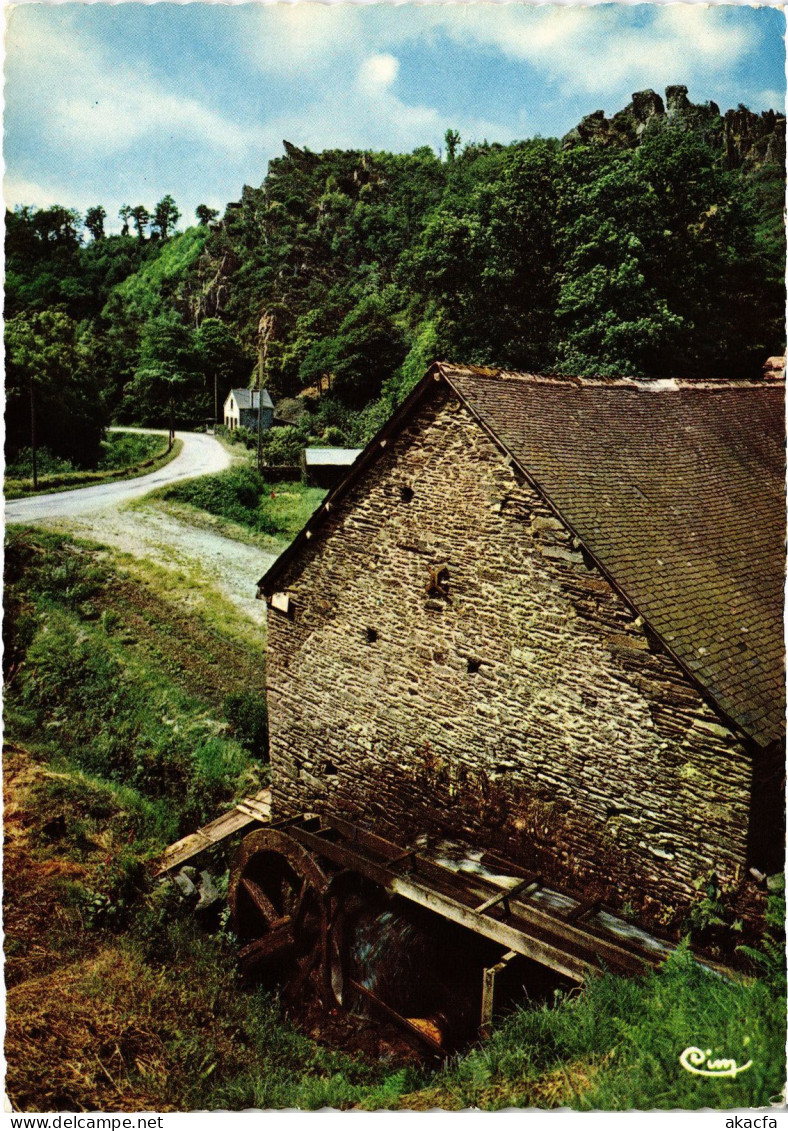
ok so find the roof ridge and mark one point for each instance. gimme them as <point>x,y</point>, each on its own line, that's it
<point>645,384</point>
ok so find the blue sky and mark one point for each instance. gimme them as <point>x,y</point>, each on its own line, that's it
<point>123,103</point>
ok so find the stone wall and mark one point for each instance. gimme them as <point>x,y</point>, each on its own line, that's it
<point>455,664</point>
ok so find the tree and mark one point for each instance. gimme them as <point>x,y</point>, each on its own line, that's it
<point>205,215</point>
<point>452,139</point>
<point>51,384</point>
<point>165,216</point>
<point>141,218</point>
<point>94,221</point>
<point>58,226</point>
<point>168,386</point>
<point>220,357</point>
<point>125,212</point>
<point>367,347</point>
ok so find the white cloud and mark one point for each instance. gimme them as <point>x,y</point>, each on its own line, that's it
<point>76,96</point>
<point>594,50</point>
<point>377,73</point>
<point>306,37</point>
<point>19,190</point>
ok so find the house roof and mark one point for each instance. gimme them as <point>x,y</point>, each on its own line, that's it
<point>333,457</point>
<point>675,488</point>
<point>250,398</point>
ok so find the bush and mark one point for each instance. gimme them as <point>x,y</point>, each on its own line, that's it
<point>126,449</point>
<point>233,494</point>
<point>248,719</point>
<point>242,495</point>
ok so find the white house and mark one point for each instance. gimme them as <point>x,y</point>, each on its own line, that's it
<point>242,409</point>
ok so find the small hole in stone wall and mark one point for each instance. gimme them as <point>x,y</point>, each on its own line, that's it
<point>406,494</point>
<point>473,666</point>
<point>330,770</point>
<point>372,635</point>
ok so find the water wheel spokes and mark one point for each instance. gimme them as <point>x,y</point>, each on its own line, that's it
<point>276,898</point>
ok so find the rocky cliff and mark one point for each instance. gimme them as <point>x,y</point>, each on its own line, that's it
<point>744,137</point>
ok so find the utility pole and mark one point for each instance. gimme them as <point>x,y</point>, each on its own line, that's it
<point>265,328</point>
<point>33,433</point>
<point>259,410</point>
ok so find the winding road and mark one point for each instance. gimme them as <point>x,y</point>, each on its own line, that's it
<point>201,455</point>
<point>98,513</point>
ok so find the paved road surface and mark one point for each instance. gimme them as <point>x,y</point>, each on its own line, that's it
<point>98,514</point>
<point>201,455</point>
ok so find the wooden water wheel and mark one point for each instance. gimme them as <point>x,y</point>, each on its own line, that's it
<point>276,894</point>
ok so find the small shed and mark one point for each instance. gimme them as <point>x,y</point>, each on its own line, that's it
<point>242,409</point>
<point>326,466</point>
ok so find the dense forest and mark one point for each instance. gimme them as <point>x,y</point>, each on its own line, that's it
<point>649,244</point>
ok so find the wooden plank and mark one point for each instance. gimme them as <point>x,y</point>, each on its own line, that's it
<point>191,845</point>
<point>372,841</point>
<point>403,1022</point>
<point>505,895</point>
<point>270,945</point>
<point>251,810</point>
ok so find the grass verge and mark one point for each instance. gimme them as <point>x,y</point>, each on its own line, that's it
<point>241,496</point>
<point>126,455</point>
<point>616,1045</point>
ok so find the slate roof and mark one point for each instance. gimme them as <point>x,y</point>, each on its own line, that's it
<point>676,489</point>
<point>249,398</point>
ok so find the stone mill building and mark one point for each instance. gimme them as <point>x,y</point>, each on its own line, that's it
<point>544,616</point>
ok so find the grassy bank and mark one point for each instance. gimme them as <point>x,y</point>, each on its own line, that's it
<point>124,455</point>
<point>118,998</point>
<point>272,512</point>
<point>615,1046</point>
<point>129,720</point>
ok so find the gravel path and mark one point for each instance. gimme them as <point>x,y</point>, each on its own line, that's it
<point>99,513</point>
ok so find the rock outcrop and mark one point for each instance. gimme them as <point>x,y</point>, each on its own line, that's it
<point>743,136</point>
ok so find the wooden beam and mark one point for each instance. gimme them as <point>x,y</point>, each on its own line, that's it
<point>270,945</point>
<point>583,910</point>
<point>392,1015</point>
<point>513,937</point>
<point>488,991</point>
<point>505,895</point>
<point>261,902</point>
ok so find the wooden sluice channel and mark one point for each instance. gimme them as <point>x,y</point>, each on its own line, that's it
<point>290,878</point>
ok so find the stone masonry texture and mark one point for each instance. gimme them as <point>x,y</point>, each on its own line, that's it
<point>455,664</point>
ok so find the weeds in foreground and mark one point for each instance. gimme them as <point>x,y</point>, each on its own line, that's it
<point>77,693</point>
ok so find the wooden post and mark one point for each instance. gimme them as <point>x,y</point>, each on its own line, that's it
<point>33,433</point>
<point>488,992</point>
